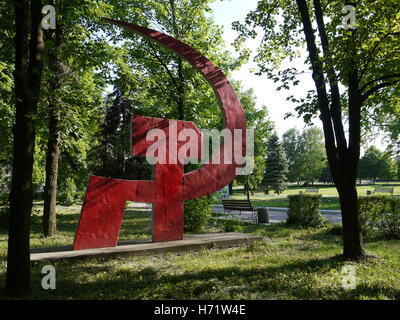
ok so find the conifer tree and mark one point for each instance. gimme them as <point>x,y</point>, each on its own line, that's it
<point>276,166</point>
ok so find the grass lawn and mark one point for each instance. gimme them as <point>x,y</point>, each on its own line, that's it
<point>327,203</point>
<point>288,264</point>
<point>330,190</point>
<point>330,200</point>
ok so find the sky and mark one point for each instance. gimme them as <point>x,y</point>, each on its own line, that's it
<point>228,11</point>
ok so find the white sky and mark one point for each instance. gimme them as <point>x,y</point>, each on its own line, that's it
<point>228,11</point>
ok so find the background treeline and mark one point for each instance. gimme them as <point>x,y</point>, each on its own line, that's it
<point>95,76</point>
<point>66,97</point>
<point>300,157</point>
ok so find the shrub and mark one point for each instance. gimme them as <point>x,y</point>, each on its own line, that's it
<point>380,215</point>
<point>233,225</point>
<point>369,208</point>
<point>197,213</point>
<point>67,193</point>
<point>335,229</point>
<point>304,211</point>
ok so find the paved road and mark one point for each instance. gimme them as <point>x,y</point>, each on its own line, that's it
<point>280,214</point>
<point>275,214</point>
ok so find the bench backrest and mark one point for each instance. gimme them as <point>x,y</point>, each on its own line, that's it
<point>237,204</point>
<point>384,190</point>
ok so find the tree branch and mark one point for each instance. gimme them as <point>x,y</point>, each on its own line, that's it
<point>376,88</point>
<point>318,76</point>
<point>372,53</point>
<point>395,75</point>
<point>336,109</point>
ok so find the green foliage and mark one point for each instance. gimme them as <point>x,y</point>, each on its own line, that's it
<point>313,153</point>
<point>197,213</point>
<point>291,143</point>
<point>326,176</point>
<point>257,119</point>
<point>276,167</point>
<point>380,215</point>
<point>376,164</point>
<point>4,209</point>
<point>305,153</point>
<point>160,81</point>
<point>376,40</point>
<point>232,225</point>
<point>111,157</point>
<point>67,195</point>
<point>304,211</point>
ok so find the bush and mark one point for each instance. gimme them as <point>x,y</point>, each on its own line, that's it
<point>233,225</point>
<point>335,229</point>
<point>380,215</point>
<point>67,193</point>
<point>304,211</point>
<point>197,213</point>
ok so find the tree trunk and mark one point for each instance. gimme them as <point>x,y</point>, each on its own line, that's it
<point>247,188</point>
<point>27,79</point>
<point>231,188</point>
<point>53,143</point>
<point>352,237</point>
<point>50,190</point>
<point>181,91</point>
<point>342,160</point>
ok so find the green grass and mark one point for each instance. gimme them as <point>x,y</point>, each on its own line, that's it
<point>288,264</point>
<point>330,190</point>
<point>327,203</point>
<point>330,200</point>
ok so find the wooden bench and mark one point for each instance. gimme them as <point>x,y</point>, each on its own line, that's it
<point>310,190</point>
<point>383,190</point>
<point>240,205</point>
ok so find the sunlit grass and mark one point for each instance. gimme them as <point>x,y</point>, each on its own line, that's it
<point>288,264</point>
<point>329,201</point>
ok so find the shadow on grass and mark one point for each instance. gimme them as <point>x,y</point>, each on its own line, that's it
<point>291,280</point>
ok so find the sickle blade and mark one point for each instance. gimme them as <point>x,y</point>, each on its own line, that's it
<point>210,177</point>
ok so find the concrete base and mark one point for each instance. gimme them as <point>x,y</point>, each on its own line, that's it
<point>142,248</point>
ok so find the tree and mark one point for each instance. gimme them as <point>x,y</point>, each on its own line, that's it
<point>113,152</point>
<point>398,169</point>
<point>69,65</point>
<point>363,60</point>
<point>291,143</point>
<point>370,166</point>
<point>313,154</point>
<point>326,176</point>
<point>29,49</point>
<point>276,166</point>
<point>258,120</point>
<point>376,164</point>
<point>174,89</point>
<point>7,112</point>
<point>305,154</point>
<point>389,168</point>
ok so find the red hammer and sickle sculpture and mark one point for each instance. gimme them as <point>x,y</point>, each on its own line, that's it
<point>103,208</point>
